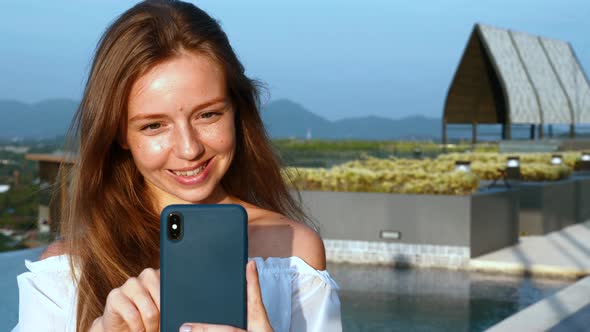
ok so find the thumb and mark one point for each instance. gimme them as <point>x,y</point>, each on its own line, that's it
<point>257,317</point>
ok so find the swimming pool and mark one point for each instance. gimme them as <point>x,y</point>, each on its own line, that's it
<point>378,298</point>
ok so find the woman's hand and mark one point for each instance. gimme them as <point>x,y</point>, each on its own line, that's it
<point>135,306</point>
<point>257,318</point>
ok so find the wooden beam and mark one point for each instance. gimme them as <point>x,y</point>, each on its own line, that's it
<point>444,134</point>
<point>506,132</point>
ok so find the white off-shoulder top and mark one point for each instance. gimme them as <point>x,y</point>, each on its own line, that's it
<point>296,296</point>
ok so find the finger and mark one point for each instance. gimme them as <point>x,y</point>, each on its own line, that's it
<point>257,318</point>
<point>199,327</point>
<point>150,279</point>
<point>253,285</point>
<point>120,312</point>
<point>141,298</point>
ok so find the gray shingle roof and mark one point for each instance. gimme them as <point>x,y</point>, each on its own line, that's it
<point>541,80</point>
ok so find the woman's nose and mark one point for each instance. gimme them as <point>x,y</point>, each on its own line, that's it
<point>187,145</point>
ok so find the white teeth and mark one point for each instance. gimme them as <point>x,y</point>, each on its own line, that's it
<point>191,173</point>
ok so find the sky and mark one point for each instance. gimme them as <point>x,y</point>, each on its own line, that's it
<point>337,58</point>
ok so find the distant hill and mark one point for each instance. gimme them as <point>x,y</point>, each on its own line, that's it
<point>46,119</point>
<point>283,119</point>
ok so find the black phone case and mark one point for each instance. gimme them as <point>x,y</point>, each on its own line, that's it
<point>203,274</point>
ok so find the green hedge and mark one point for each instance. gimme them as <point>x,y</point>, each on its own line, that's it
<point>425,176</point>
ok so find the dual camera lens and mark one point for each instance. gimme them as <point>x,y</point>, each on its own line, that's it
<point>174,226</point>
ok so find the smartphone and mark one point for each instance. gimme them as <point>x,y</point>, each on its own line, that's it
<point>203,257</point>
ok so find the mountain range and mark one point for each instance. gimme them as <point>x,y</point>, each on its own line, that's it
<point>283,118</point>
<point>45,119</point>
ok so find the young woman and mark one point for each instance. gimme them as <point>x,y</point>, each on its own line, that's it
<point>168,116</point>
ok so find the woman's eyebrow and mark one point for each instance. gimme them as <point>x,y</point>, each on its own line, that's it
<point>217,100</point>
<point>141,116</point>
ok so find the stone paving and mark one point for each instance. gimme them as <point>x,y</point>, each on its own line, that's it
<point>565,253</point>
<point>391,253</point>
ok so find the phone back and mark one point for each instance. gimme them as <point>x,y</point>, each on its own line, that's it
<point>202,273</point>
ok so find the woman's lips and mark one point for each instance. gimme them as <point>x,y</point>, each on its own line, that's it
<point>193,179</point>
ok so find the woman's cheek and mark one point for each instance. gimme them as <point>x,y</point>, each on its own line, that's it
<point>154,151</point>
<point>221,136</point>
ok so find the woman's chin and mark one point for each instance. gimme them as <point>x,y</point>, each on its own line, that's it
<point>197,196</point>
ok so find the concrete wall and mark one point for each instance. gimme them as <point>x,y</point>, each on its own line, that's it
<point>483,222</point>
<point>362,216</point>
<point>545,145</point>
<point>494,220</point>
<point>582,196</point>
<point>546,206</point>
<point>578,144</point>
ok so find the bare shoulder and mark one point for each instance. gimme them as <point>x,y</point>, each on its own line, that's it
<point>54,249</point>
<point>273,234</point>
<point>308,245</point>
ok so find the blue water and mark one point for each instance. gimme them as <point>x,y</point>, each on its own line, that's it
<point>376,298</point>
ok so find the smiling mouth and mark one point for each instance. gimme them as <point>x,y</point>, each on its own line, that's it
<point>192,172</point>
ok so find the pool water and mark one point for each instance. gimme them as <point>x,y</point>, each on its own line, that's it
<point>379,298</point>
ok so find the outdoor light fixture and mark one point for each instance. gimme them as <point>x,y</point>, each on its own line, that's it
<point>390,235</point>
<point>513,162</point>
<point>556,159</point>
<point>513,168</point>
<point>463,166</point>
<point>584,163</point>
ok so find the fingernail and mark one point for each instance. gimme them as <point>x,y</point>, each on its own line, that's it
<point>186,328</point>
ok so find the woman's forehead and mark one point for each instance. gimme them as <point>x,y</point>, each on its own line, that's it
<point>184,81</point>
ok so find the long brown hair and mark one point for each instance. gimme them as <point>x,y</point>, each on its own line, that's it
<point>111,224</point>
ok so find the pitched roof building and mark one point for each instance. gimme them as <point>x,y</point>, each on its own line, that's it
<point>508,77</point>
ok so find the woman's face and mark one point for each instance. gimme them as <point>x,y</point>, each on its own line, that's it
<point>180,129</point>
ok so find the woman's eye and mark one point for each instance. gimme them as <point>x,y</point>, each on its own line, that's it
<point>208,115</point>
<point>152,126</point>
